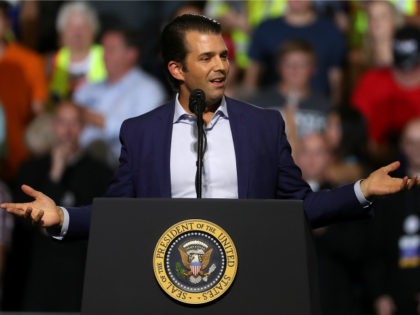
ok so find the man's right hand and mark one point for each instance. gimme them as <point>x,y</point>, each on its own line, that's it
<point>42,211</point>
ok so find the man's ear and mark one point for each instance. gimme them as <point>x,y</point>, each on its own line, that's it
<point>175,69</point>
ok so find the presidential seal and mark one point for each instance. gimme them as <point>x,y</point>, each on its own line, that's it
<point>195,261</point>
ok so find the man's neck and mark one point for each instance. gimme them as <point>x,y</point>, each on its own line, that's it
<point>300,18</point>
<point>208,111</point>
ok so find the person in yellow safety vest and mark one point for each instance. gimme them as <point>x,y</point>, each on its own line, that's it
<point>79,60</point>
<point>61,82</point>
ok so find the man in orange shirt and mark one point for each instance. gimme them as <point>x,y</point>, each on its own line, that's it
<point>23,92</point>
<point>29,61</point>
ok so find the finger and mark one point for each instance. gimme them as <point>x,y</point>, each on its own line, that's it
<point>15,208</point>
<point>11,205</point>
<point>391,167</point>
<point>404,183</point>
<point>411,182</point>
<point>28,213</point>
<point>30,191</point>
<point>38,217</point>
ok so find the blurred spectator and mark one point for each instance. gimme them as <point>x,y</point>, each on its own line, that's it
<point>304,110</point>
<point>78,60</point>
<point>376,49</point>
<point>299,22</point>
<point>336,11</point>
<point>406,10</point>
<point>36,25</point>
<point>15,95</point>
<point>39,136</point>
<point>383,20</point>
<point>389,97</point>
<point>240,18</point>
<point>394,261</point>
<point>30,63</point>
<point>73,178</point>
<point>128,91</point>
<point>313,157</point>
<point>346,135</point>
<point>340,249</point>
<point>147,17</point>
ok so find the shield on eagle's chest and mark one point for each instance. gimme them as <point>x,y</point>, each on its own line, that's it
<point>195,267</point>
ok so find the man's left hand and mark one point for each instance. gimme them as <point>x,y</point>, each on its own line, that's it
<point>379,182</point>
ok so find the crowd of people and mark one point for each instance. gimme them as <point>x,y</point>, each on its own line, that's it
<point>345,76</point>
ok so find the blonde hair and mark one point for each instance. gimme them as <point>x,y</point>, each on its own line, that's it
<point>368,44</point>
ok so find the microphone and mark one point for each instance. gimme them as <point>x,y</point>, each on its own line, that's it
<point>197,102</point>
<point>196,106</point>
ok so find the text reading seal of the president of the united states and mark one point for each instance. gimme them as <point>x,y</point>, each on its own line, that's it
<point>195,261</point>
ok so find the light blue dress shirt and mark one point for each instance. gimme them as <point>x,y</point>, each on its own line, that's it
<point>133,95</point>
<point>219,178</point>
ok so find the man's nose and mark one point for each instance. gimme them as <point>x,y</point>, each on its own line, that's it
<point>221,64</point>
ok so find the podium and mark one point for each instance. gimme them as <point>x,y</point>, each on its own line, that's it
<point>276,274</point>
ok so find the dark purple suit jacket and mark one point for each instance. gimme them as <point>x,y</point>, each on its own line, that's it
<point>264,164</point>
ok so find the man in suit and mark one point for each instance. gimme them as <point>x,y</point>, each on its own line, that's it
<point>248,155</point>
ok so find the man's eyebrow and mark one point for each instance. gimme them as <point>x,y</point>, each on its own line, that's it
<point>207,53</point>
<point>212,53</point>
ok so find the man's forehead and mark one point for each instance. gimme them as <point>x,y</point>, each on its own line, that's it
<point>194,39</point>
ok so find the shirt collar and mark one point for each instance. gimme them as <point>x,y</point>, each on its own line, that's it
<point>181,114</point>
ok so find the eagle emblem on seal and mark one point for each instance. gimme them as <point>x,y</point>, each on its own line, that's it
<point>195,256</point>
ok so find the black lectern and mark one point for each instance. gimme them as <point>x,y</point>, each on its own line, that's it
<point>276,271</point>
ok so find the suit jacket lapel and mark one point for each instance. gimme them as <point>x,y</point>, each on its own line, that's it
<point>162,142</point>
<point>241,145</point>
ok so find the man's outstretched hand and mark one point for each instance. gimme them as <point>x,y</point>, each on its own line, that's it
<point>42,211</point>
<point>379,182</point>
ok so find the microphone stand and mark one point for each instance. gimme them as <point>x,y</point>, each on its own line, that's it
<point>196,106</point>
<point>200,154</point>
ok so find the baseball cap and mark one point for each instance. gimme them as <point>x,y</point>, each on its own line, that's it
<point>406,48</point>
